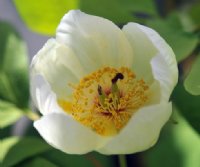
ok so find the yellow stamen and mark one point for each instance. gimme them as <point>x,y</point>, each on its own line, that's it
<point>106,99</point>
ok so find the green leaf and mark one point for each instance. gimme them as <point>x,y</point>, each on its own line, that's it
<point>44,16</point>
<point>38,162</point>
<point>193,14</point>
<point>188,105</point>
<point>179,146</point>
<point>13,67</point>
<point>5,146</point>
<point>90,160</point>
<point>183,43</point>
<point>22,149</point>
<point>9,114</point>
<point>192,82</point>
<point>119,11</point>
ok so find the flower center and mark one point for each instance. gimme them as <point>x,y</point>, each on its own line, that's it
<point>106,99</point>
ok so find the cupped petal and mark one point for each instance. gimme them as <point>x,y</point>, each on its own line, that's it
<point>141,132</point>
<point>164,75</point>
<point>68,135</point>
<point>143,50</point>
<point>96,41</point>
<point>59,66</point>
<point>42,95</point>
<point>154,59</point>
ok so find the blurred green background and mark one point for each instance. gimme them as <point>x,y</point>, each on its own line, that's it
<point>178,22</point>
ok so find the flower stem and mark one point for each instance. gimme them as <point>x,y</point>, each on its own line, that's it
<point>122,160</point>
<point>32,115</point>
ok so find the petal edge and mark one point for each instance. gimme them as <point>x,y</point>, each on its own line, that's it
<point>66,134</point>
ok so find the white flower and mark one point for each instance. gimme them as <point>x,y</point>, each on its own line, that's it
<point>101,88</point>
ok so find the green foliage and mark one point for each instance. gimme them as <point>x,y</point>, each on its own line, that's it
<point>44,16</point>
<point>118,11</point>
<point>13,67</point>
<point>38,162</point>
<point>14,88</point>
<point>179,146</point>
<point>183,43</point>
<point>188,105</point>
<point>16,149</point>
<point>192,82</point>
<point>9,113</point>
<point>193,15</point>
<point>31,152</point>
<point>5,145</point>
<point>90,160</point>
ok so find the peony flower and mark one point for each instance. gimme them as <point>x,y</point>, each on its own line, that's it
<point>102,88</point>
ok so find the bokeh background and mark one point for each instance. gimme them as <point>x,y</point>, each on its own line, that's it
<point>24,28</point>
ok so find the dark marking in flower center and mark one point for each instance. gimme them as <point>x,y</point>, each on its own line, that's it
<point>99,89</point>
<point>117,76</point>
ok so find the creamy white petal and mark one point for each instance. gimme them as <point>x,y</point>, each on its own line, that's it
<point>147,44</point>
<point>143,50</point>
<point>59,66</point>
<point>96,41</point>
<point>141,132</point>
<point>66,134</point>
<point>164,65</point>
<point>42,95</point>
<point>163,74</point>
<point>154,94</point>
